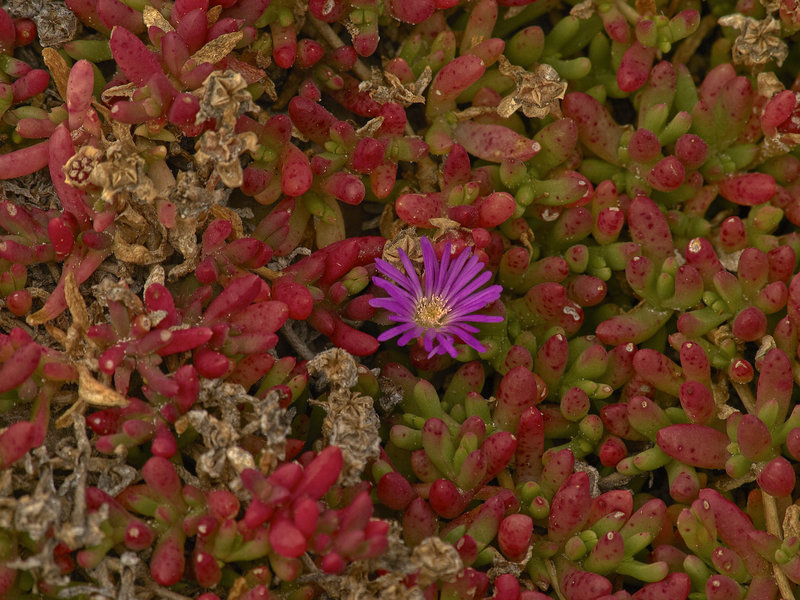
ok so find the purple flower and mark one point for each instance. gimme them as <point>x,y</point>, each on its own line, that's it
<point>440,308</point>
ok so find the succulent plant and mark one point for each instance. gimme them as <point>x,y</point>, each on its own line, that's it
<point>422,299</point>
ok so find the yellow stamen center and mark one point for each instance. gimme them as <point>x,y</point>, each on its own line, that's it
<point>431,312</point>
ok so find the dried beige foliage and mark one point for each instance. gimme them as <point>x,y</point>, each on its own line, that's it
<point>153,18</point>
<point>95,393</point>
<point>337,365</point>
<point>126,90</point>
<point>759,42</point>
<point>351,422</point>
<point>537,93</point>
<point>768,84</point>
<point>109,290</point>
<point>122,173</point>
<point>583,10</point>
<point>371,127</point>
<point>408,241</point>
<point>443,225</point>
<point>58,68</point>
<point>437,561</point>
<point>791,522</point>
<point>139,254</point>
<point>217,49</point>
<point>80,316</point>
<point>220,150</point>
<point>387,87</point>
<point>213,13</point>
<point>223,425</point>
<point>224,96</point>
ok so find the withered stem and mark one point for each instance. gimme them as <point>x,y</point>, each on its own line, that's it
<point>773,527</point>
<point>295,342</point>
<point>267,273</point>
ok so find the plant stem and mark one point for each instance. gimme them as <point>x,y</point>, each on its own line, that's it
<point>773,527</point>
<point>329,35</point>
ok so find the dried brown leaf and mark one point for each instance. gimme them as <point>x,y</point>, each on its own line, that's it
<point>66,420</point>
<point>125,90</point>
<point>220,151</point>
<point>183,237</point>
<point>58,69</point>
<point>75,302</point>
<point>212,16</point>
<point>136,253</point>
<point>153,18</point>
<point>57,334</point>
<point>239,588</point>
<point>95,393</point>
<point>218,48</point>
<point>791,522</point>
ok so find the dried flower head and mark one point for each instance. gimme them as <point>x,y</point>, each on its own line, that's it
<point>123,174</point>
<point>224,96</point>
<point>437,561</point>
<point>80,166</point>
<point>439,308</point>
<point>408,242</point>
<point>353,425</point>
<point>56,24</point>
<point>537,93</point>
<point>337,365</point>
<point>220,151</point>
<point>759,42</point>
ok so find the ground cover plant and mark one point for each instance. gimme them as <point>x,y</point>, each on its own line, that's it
<point>428,299</point>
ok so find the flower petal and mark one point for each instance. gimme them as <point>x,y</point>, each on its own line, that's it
<point>392,272</point>
<point>392,304</point>
<point>444,268</point>
<point>413,278</point>
<point>454,280</point>
<point>409,335</point>
<point>395,291</point>
<point>430,264</point>
<point>394,331</point>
